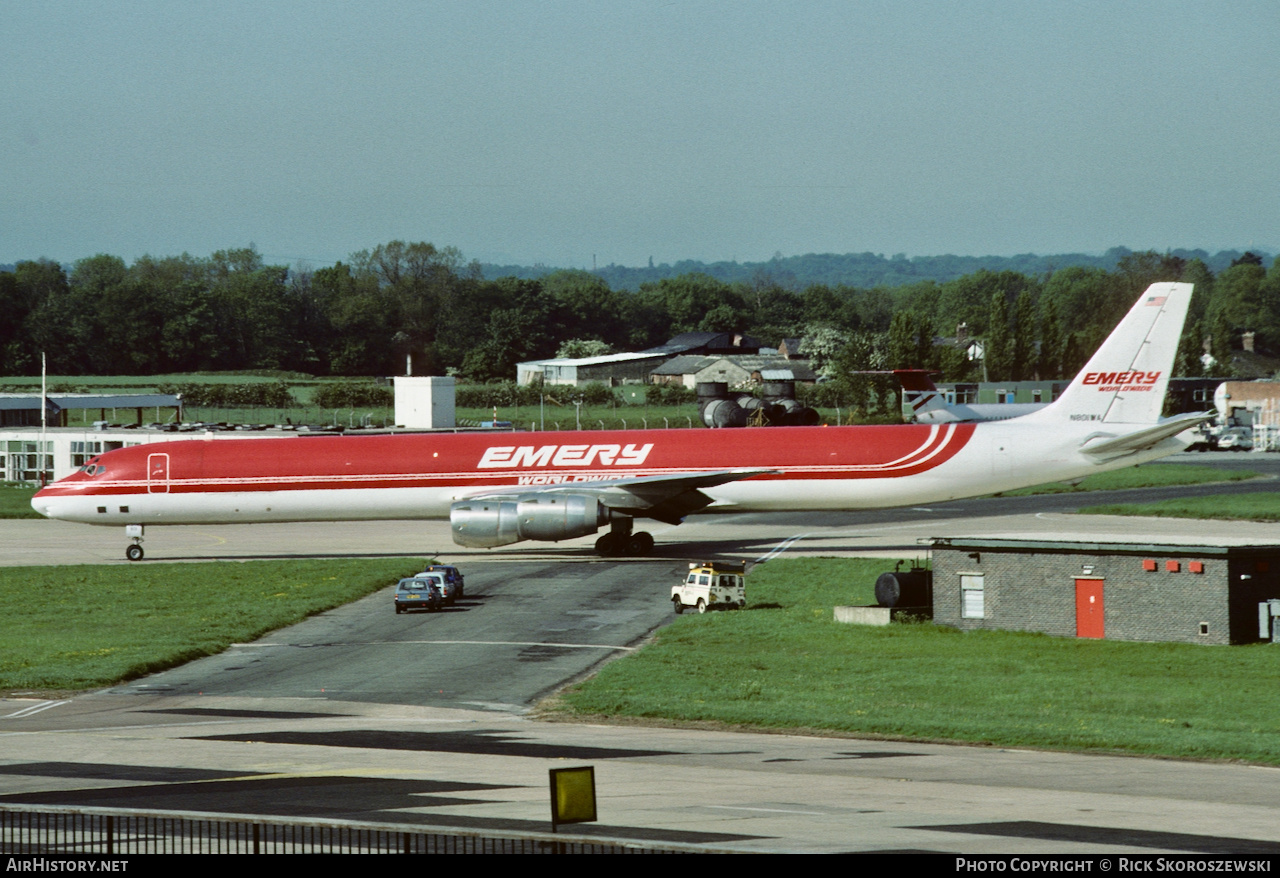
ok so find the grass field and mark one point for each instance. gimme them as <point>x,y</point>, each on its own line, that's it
<point>15,501</point>
<point>1149,475</point>
<point>69,628</point>
<point>1262,506</point>
<point>783,663</point>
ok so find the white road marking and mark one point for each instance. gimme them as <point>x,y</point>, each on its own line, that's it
<point>764,810</point>
<point>782,547</point>
<point>35,708</point>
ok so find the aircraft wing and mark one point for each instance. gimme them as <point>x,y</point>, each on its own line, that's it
<point>665,498</point>
<point>1104,446</point>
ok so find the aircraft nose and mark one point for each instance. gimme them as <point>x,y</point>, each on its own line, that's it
<point>43,501</point>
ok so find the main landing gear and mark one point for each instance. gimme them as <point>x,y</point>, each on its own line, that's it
<point>620,541</point>
<point>134,551</point>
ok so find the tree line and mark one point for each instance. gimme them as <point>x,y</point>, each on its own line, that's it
<point>413,305</point>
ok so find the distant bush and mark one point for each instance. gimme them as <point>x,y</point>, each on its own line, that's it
<point>264,394</point>
<point>497,393</point>
<point>597,393</point>
<point>670,394</point>
<point>505,394</point>
<point>349,395</point>
<point>279,374</point>
<point>828,395</point>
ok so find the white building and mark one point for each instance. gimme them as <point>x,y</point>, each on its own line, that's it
<point>611,369</point>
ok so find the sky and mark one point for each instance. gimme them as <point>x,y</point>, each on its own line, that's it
<point>581,132</point>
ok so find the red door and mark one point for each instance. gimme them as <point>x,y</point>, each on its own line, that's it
<point>1089,608</point>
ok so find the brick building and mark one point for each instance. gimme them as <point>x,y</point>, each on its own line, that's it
<point>1120,591</point>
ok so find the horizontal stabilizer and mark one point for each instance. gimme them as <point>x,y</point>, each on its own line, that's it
<point>1104,447</point>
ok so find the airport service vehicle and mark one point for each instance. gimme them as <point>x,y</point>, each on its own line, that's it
<point>711,585</point>
<point>1235,439</point>
<point>419,593</point>
<point>498,489</point>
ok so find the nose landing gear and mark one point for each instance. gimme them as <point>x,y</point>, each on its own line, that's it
<point>134,551</point>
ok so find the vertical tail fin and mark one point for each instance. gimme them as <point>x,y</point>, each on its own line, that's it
<point>919,393</point>
<point>1125,381</point>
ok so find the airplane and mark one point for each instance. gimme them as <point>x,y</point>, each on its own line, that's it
<point>552,486</point>
<point>929,406</point>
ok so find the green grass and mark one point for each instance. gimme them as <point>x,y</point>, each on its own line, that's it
<point>15,501</point>
<point>97,383</point>
<point>1151,475</point>
<point>68,628</point>
<point>1230,507</point>
<point>784,664</point>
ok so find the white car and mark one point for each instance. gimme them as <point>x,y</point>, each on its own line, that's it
<point>1235,439</point>
<point>711,586</point>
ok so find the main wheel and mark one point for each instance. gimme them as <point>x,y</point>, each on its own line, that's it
<point>702,605</point>
<point>677,606</point>
<point>610,546</point>
<point>134,552</point>
<point>640,543</point>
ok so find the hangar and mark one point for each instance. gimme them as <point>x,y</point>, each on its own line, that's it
<point>23,409</point>
<point>35,454</point>
<point>28,456</point>
<point>1119,591</point>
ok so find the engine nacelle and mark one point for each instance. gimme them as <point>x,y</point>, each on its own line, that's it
<point>483,524</point>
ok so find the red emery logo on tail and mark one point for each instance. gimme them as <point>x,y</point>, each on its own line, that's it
<point>1109,381</point>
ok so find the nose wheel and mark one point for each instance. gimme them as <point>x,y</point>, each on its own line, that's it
<point>134,551</point>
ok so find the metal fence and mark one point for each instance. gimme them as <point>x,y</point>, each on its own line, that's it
<point>78,831</point>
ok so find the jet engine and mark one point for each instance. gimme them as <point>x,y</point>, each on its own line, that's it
<point>485,523</point>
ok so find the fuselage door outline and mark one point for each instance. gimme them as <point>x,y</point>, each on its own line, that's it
<point>158,473</point>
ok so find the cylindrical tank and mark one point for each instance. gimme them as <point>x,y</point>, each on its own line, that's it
<point>709,390</point>
<point>909,589</point>
<point>798,415</point>
<point>775,390</point>
<point>723,413</point>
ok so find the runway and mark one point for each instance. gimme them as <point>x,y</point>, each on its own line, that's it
<point>423,719</point>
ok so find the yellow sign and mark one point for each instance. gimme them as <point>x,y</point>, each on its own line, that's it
<point>573,795</point>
